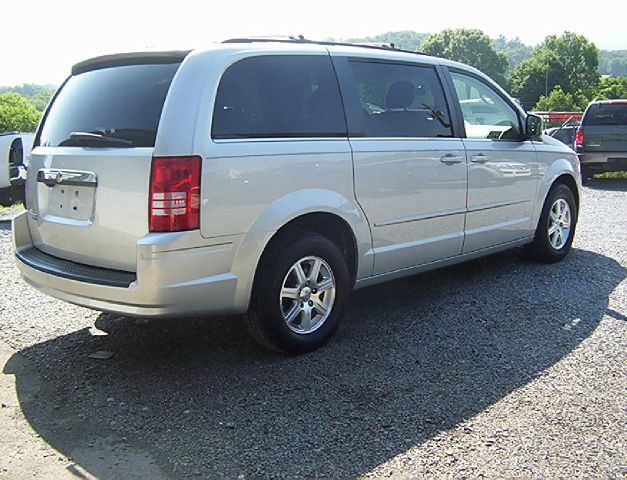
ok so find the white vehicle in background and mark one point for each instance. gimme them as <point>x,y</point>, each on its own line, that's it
<point>14,153</point>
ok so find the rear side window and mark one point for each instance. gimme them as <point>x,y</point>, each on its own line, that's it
<point>606,114</point>
<point>400,100</point>
<point>122,102</point>
<point>279,96</point>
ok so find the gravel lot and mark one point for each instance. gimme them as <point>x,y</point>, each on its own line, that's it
<point>499,367</point>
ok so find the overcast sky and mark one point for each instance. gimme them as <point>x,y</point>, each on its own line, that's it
<point>40,40</point>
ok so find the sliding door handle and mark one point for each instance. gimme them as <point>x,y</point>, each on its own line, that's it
<point>450,158</point>
<point>479,158</point>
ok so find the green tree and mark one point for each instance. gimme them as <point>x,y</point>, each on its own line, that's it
<point>404,39</point>
<point>560,101</point>
<point>514,49</point>
<point>17,113</point>
<point>613,62</point>
<point>41,98</point>
<point>612,87</point>
<point>470,46</point>
<point>39,95</point>
<point>568,60</point>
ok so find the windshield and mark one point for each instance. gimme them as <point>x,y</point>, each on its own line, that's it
<point>122,102</point>
<point>606,114</point>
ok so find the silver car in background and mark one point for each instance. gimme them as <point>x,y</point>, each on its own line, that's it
<point>270,178</point>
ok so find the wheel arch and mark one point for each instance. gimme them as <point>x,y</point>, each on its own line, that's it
<point>562,171</point>
<point>320,211</point>
<point>329,225</point>
<point>570,182</point>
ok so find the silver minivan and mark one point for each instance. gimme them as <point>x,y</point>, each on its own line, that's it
<point>270,178</point>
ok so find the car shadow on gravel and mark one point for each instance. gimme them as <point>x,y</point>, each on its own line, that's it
<point>608,184</point>
<point>413,357</point>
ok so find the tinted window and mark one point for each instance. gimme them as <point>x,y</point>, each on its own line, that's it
<point>279,96</point>
<point>16,152</point>
<point>121,102</point>
<point>606,114</point>
<point>486,114</point>
<point>400,100</point>
<point>565,135</point>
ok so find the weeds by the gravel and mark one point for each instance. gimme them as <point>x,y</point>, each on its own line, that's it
<point>612,175</point>
<point>12,208</point>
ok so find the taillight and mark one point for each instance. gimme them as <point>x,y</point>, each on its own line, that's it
<point>579,138</point>
<point>174,194</point>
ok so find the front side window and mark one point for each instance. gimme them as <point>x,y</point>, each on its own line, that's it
<point>486,114</point>
<point>400,100</point>
<point>279,96</point>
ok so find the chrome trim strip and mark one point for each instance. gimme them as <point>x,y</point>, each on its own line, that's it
<point>447,213</point>
<point>424,216</point>
<point>52,177</point>
<point>488,206</point>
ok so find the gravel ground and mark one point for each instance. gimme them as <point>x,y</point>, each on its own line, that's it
<point>500,367</point>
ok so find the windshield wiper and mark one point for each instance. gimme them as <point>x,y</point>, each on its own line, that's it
<point>94,140</point>
<point>437,114</point>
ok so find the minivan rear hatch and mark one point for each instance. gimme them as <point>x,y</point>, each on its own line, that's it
<point>605,127</point>
<point>88,178</point>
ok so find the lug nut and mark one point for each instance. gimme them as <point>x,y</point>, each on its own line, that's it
<point>315,290</point>
<point>310,303</point>
<point>302,304</point>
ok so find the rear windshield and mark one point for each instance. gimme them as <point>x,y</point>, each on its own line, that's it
<point>122,102</point>
<point>606,114</point>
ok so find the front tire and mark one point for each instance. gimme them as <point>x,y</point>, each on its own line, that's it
<point>556,227</point>
<point>299,294</point>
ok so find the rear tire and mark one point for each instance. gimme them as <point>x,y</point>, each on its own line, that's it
<point>299,294</point>
<point>556,227</point>
<point>11,195</point>
<point>586,175</point>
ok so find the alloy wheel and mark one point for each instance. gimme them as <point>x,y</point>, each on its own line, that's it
<point>559,223</point>
<point>307,295</point>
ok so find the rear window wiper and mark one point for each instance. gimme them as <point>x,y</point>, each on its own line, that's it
<point>90,139</point>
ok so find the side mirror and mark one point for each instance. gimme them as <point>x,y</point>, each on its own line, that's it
<point>533,126</point>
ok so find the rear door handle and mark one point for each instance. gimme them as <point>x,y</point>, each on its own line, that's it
<point>479,158</point>
<point>450,158</point>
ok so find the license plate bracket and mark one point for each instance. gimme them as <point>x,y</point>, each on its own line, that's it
<point>71,202</point>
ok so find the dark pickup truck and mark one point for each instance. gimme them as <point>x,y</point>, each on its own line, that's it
<point>601,141</point>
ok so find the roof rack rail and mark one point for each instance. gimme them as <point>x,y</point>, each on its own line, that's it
<point>302,39</point>
<point>268,38</point>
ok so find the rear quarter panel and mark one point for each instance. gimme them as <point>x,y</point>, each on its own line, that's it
<point>252,187</point>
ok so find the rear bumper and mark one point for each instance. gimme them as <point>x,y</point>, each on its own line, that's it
<point>178,274</point>
<point>604,161</point>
